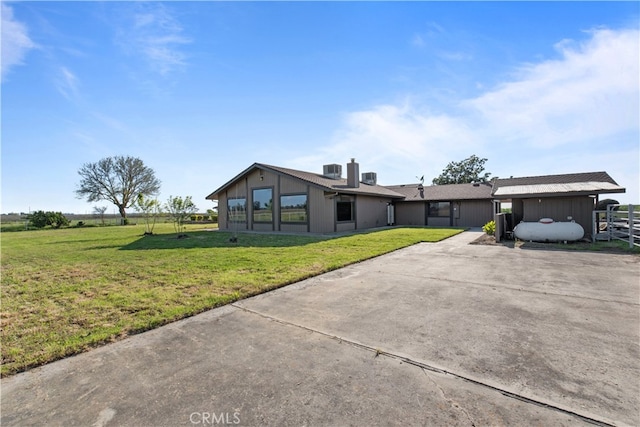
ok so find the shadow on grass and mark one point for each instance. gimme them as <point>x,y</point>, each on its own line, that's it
<point>219,239</point>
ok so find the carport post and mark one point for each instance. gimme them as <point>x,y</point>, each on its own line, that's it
<point>499,221</point>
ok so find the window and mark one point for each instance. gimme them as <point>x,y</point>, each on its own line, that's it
<point>439,209</point>
<point>345,208</point>
<point>263,205</point>
<point>293,208</point>
<point>237,209</point>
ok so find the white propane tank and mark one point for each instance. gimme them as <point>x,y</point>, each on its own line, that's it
<point>547,230</point>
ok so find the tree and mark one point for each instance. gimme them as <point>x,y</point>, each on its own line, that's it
<point>602,204</point>
<point>150,209</point>
<point>180,210</point>
<point>40,219</point>
<point>99,212</point>
<point>213,215</point>
<point>117,179</point>
<point>465,171</point>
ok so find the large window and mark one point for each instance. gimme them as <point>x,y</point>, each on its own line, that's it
<point>293,208</point>
<point>440,209</point>
<point>345,208</point>
<point>263,205</point>
<point>237,209</point>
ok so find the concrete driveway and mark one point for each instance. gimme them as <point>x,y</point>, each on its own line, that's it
<point>435,334</point>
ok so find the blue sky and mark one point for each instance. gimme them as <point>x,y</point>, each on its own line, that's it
<point>201,90</point>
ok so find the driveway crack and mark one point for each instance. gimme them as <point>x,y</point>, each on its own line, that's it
<point>426,367</point>
<point>452,403</point>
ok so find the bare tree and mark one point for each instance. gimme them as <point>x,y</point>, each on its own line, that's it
<point>117,179</point>
<point>99,212</point>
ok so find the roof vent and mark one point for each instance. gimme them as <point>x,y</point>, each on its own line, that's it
<point>370,178</point>
<point>332,171</point>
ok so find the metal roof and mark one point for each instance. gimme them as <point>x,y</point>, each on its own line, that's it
<point>567,188</point>
<point>586,183</point>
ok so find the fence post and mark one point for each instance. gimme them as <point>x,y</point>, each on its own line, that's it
<point>609,215</point>
<point>631,225</point>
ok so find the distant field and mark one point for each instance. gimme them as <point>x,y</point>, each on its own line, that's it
<point>15,222</point>
<point>68,290</point>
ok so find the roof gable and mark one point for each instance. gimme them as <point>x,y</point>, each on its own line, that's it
<point>318,180</point>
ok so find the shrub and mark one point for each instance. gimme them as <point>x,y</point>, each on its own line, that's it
<point>58,220</point>
<point>179,210</point>
<point>41,219</point>
<point>489,228</point>
<point>38,219</point>
<point>151,210</point>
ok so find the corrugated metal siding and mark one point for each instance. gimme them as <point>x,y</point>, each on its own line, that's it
<point>412,213</point>
<point>473,213</point>
<point>371,212</point>
<point>559,208</point>
<point>321,211</point>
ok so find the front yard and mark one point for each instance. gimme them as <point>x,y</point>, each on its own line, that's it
<point>66,291</point>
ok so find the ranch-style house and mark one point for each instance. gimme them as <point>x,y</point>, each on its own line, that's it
<point>272,198</point>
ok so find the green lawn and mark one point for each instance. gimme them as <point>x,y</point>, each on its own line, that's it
<point>65,291</point>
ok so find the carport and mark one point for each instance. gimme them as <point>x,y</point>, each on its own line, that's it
<point>559,197</point>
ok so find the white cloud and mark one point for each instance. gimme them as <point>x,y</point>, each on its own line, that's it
<point>590,93</point>
<point>157,36</point>
<point>67,84</point>
<point>15,41</point>
<point>586,99</point>
<point>399,140</point>
<point>424,38</point>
